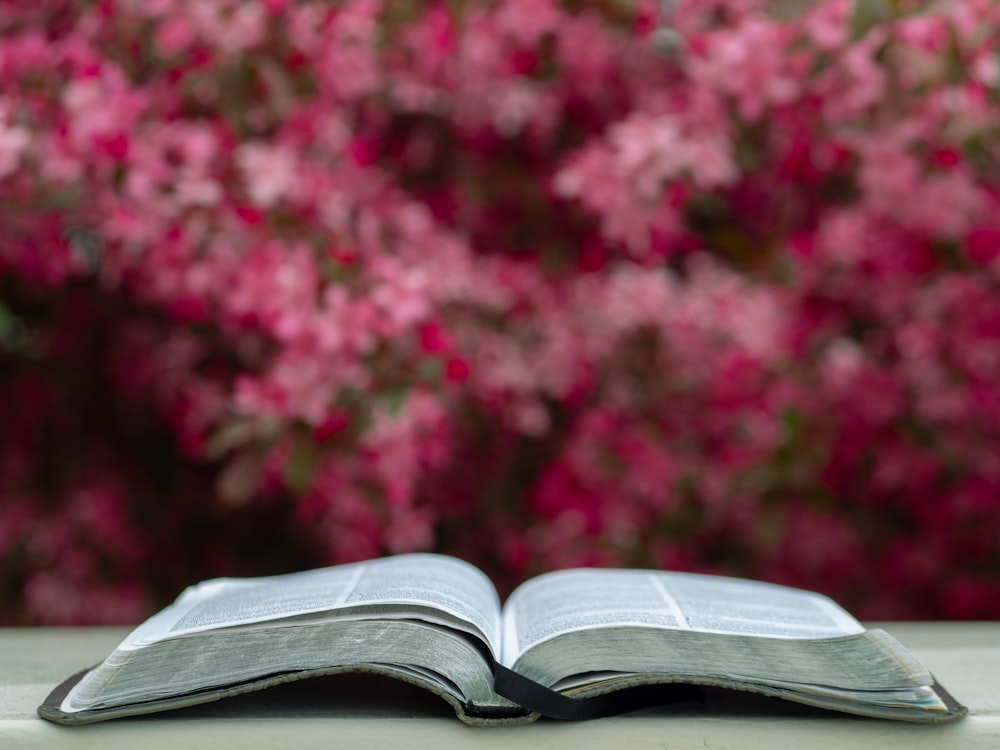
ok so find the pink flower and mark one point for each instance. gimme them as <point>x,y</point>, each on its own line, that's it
<point>14,142</point>
<point>527,21</point>
<point>747,62</point>
<point>270,173</point>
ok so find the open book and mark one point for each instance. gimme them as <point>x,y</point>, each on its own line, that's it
<point>570,644</point>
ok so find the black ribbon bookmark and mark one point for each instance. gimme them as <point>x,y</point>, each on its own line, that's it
<point>556,705</point>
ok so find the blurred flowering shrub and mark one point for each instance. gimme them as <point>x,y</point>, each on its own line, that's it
<point>535,282</point>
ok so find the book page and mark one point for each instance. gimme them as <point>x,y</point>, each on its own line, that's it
<point>408,583</point>
<point>573,600</point>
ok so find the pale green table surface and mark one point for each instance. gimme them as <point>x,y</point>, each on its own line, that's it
<point>355,712</point>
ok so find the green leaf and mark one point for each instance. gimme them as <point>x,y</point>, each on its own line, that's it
<point>394,401</point>
<point>868,14</point>
<point>301,467</point>
<point>13,334</point>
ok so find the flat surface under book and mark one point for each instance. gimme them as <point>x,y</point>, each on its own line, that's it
<point>357,711</point>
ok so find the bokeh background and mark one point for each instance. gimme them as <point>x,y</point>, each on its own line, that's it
<point>706,285</point>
